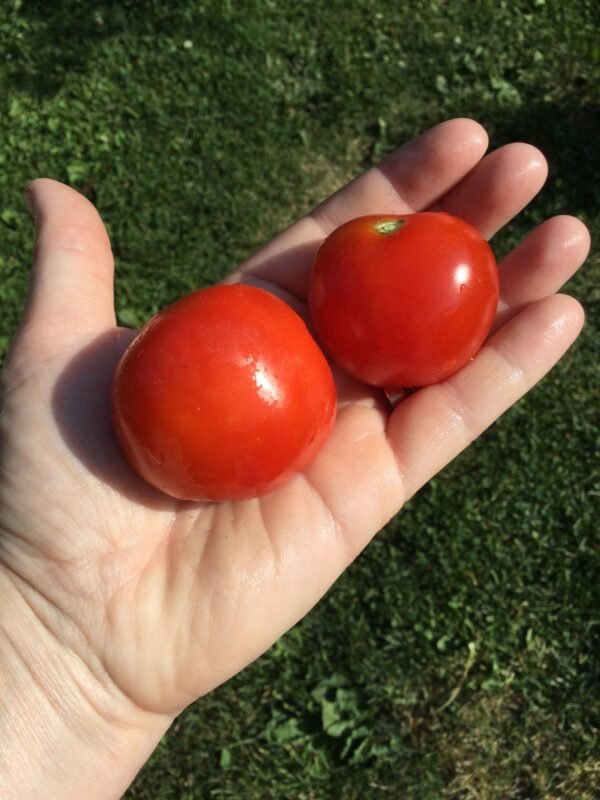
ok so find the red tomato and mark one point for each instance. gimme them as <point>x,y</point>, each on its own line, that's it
<point>224,395</point>
<point>403,301</point>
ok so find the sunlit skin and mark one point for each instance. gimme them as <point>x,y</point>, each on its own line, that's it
<point>120,605</point>
<point>403,301</point>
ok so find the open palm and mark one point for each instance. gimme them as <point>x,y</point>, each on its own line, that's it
<point>154,601</point>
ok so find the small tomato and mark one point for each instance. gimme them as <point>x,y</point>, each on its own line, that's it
<point>222,396</point>
<point>403,301</point>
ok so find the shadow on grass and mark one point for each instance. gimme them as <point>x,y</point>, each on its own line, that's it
<point>567,135</point>
<point>56,39</point>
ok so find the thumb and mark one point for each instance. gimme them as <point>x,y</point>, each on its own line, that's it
<point>70,294</point>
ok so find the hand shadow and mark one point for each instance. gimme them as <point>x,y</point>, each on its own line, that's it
<point>81,408</point>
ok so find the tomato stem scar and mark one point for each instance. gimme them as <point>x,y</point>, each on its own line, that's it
<point>387,226</point>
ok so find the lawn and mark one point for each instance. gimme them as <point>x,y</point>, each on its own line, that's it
<point>459,656</point>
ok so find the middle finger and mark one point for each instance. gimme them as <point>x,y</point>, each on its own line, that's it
<point>500,186</point>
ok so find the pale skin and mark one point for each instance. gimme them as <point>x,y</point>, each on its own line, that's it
<point>120,606</point>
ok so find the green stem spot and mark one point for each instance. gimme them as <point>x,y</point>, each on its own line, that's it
<point>387,226</point>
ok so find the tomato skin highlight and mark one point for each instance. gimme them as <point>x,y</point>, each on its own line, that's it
<point>403,301</point>
<point>224,395</point>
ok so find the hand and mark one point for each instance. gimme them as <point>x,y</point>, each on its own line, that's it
<point>145,602</point>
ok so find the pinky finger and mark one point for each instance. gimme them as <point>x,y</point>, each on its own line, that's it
<point>432,426</point>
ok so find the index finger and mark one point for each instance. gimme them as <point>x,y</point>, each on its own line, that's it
<point>411,178</point>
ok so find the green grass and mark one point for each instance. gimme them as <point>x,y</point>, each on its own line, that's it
<point>459,656</point>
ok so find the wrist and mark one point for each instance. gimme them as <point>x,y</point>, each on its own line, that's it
<point>62,734</point>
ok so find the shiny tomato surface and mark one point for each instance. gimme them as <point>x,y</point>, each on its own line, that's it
<point>403,301</point>
<point>222,396</point>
